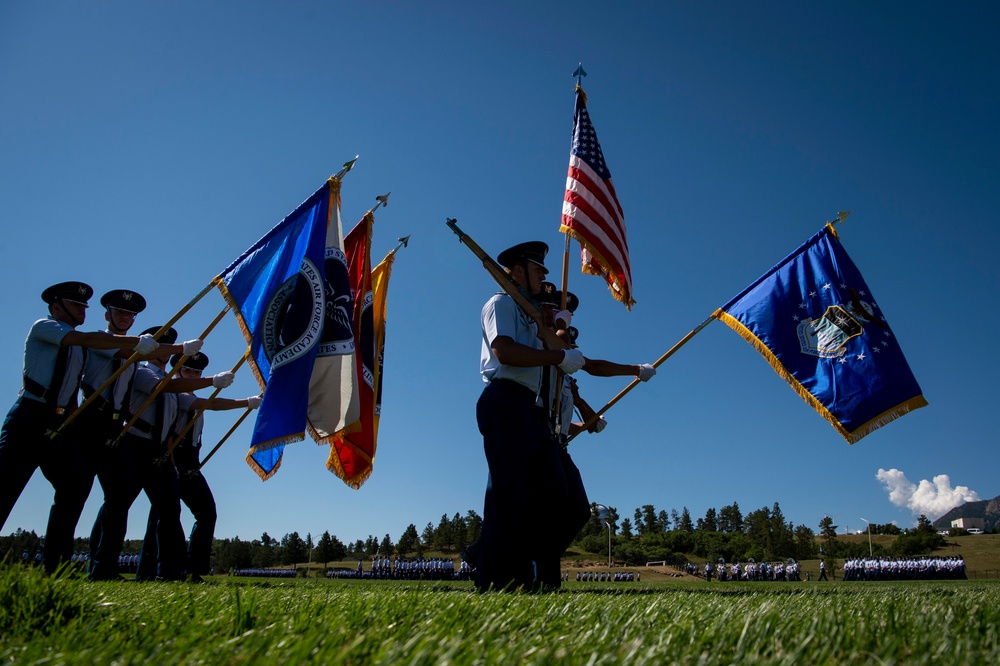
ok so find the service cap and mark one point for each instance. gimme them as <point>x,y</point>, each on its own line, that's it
<point>197,361</point>
<point>124,299</point>
<point>533,251</point>
<point>168,338</point>
<point>75,292</point>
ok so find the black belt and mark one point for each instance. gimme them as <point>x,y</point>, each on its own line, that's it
<point>36,389</point>
<point>142,426</point>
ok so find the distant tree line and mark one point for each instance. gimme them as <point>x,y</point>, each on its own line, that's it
<point>919,540</point>
<point>652,535</point>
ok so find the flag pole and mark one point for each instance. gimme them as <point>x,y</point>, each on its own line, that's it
<point>557,403</point>
<point>132,359</point>
<point>208,401</point>
<point>225,437</point>
<point>670,352</point>
<point>163,383</point>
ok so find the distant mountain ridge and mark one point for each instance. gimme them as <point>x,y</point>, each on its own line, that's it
<point>988,510</point>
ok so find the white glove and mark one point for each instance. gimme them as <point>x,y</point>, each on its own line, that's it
<point>146,345</point>
<point>600,425</point>
<point>222,380</point>
<point>572,361</point>
<point>566,316</point>
<point>192,347</point>
<point>646,372</point>
<point>253,402</point>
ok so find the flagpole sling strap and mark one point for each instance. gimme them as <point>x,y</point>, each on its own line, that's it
<point>173,372</point>
<point>513,289</point>
<point>225,437</point>
<point>208,402</point>
<point>670,352</point>
<point>132,359</point>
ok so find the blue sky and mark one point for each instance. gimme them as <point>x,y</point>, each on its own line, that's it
<point>146,145</point>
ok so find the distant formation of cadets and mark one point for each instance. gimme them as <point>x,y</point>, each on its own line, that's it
<point>751,571</point>
<point>264,573</point>
<point>406,568</point>
<point>608,576</point>
<point>928,567</point>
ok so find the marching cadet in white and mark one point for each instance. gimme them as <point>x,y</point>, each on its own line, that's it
<point>193,488</point>
<point>147,441</point>
<point>96,429</point>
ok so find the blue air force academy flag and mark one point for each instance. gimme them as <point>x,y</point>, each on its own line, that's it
<point>277,291</point>
<point>817,323</point>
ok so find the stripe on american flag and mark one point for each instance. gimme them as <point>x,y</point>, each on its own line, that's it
<point>591,212</point>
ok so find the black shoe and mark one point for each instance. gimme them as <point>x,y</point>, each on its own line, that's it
<point>195,578</point>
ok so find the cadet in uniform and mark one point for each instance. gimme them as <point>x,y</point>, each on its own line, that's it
<point>520,453</point>
<point>147,442</point>
<point>54,358</point>
<point>575,512</point>
<point>194,490</point>
<point>97,428</point>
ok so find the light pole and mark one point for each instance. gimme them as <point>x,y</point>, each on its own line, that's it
<point>603,513</point>
<point>869,537</point>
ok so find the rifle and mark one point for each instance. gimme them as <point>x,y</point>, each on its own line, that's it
<point>513,289</point>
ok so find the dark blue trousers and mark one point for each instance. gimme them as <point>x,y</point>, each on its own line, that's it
<point>568,519</point>
<point>197,496</point>
<point>527,487</point>
<point>96,431</point>
<point>24,447</point>
<point>158,478</point>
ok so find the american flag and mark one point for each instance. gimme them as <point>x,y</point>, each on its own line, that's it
<point>591,212</point>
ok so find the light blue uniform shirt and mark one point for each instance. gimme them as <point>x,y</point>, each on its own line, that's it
<point>185,404</point>
<point>101,365</point>
<point>147,376</point>
<point>40,351</point>
<point>502,316</point>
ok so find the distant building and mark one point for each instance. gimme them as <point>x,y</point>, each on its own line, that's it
<point>969,523</point>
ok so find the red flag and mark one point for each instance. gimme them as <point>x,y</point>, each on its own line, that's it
<point>591,212</point>
<point>353,449</point>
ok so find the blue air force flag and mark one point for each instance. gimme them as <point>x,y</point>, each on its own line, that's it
<point>277,291</point>
<point>817,323</point>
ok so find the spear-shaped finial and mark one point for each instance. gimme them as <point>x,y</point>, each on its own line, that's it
<point>841,216</point>
<point>383,200</point>
<point>347,167</point>
<point>579,73</point>
<point>403,242</point>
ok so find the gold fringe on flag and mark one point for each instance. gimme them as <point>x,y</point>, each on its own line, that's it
<point>615,285</point>
<point>852,436</point>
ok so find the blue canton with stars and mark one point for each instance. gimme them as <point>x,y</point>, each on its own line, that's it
<point>815,320</point>
<point>586,146</point>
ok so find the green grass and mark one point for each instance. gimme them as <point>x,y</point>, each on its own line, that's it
<point>240,621</point>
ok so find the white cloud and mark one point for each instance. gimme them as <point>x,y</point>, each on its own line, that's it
<point>931,498</point>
